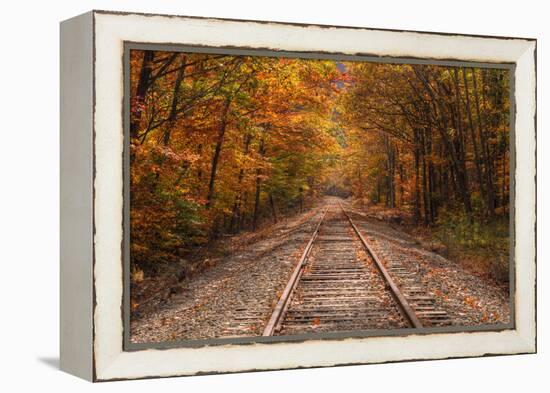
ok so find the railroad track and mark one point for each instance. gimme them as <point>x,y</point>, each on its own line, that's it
<point>341,284</point>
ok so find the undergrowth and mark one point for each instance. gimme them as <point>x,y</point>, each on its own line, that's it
<point>480,244</point>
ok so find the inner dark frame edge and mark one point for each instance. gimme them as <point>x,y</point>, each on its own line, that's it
<point>231,50</point>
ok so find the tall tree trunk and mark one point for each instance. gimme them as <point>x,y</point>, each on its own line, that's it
<point>401,185</point>
<point>261,150</point>
<point>360,191</point>
<point>431,200</point>
<point>490,202</point>
<point>172,117</point>
<point>216,157</point>
<point>458,120</point>
<point>416,177</point>
<point>462,147</point>
<point>273,210</point>
<point>141,90</point>
<point>461,177</point>
<point>444,174</point>
<point>392,176</point>
<point>242,219</point>
<point>425,190</point>
<point>390,170</point>
<point>237,204</point>
<point>504,198</point>
<point>495,93</point>
<point>473,135</point>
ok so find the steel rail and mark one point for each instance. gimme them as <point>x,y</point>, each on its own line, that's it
<point>280,309</point>
<point>404,306</point>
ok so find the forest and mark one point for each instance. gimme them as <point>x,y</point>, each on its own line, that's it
<point>221,144</point>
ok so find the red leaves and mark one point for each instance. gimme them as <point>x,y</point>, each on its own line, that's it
<point>137,105</point>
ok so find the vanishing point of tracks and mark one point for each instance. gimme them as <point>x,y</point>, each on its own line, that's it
<point>340,284</point>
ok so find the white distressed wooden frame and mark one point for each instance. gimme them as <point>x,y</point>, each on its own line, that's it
<point>92,195</point>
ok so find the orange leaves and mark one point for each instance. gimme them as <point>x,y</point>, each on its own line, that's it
<point>490,317</point>
<point>440,294</point>
<point>175,156</point>
<point>278,140</point>
<point>472,302</point>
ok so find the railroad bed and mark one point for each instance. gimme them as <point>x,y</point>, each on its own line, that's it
<point>316,275</point>
<point>340,284</point>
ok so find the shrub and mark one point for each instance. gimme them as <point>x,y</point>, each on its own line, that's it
<point>482,243</point>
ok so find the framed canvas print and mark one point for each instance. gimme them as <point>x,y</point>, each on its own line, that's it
<point>245,195</point>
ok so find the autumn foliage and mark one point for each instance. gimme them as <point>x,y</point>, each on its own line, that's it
<point>429,137</point>
<point>223,143</point>
<point>220,144</point>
